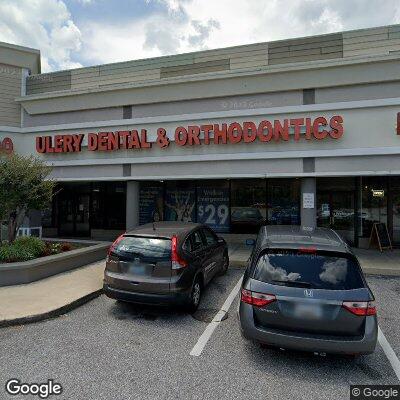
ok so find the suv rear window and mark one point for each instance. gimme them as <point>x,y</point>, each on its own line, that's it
<point>146,249</point>
<point>323,270</point>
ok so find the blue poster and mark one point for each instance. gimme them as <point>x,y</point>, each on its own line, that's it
<point>213,208</point>
<point>150,204</point>
<point>180,205</point>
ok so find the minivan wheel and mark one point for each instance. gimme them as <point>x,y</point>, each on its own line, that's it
<point>195,296</point>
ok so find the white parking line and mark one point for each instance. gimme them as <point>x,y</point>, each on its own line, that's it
<point>205,337</point>
<point>390,354</point>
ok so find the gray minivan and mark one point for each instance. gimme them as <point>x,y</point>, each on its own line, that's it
<point>164,263</point>
<point>305,290</point>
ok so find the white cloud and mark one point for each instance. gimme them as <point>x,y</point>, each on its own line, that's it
<point>176,26</point>
<point>160,36</point>
<point>203,31</point>
<point>42,24</point>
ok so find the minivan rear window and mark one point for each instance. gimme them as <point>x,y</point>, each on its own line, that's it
<point>322,270</point>
<point>144,248</point>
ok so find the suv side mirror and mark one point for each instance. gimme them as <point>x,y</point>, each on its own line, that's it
<point>250,242</point>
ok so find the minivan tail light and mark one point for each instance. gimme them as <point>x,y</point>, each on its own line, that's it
<point>256,299</point>
<point>115,244</point>
<point>361,308</point>
<point>176,261</point>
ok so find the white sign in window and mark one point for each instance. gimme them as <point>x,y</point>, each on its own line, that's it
<point>308,200</point>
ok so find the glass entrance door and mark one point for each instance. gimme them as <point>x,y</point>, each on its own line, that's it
<point>336,211</point>
<point>82,227</point>
<point>396,214</point>
<point>66,216</point>
<point>74,211</point>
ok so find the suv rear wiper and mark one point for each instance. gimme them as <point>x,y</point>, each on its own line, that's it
<point>294,283</point>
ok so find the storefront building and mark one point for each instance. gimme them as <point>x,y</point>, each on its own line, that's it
<point>300,131</point>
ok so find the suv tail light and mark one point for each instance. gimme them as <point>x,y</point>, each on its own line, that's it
<point>308,250</point>
<point>115,244</point>
<point>177,261</point>
<point>256,299</point>
<point>361,308</point>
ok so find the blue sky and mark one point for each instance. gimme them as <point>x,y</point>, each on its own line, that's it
<point>75,33</point>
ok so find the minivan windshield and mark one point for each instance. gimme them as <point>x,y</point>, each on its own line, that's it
<point>322,270</point>
<point>144,248</point>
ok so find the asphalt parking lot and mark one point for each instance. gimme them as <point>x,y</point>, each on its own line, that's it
<point>110,350</point>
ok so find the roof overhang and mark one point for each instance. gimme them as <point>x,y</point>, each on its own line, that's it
<point>296,76</point>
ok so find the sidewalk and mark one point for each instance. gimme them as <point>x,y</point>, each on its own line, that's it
<point>59,294</point>
<point>376,263</point>
<point>372,261</point>
<point>50,297</point>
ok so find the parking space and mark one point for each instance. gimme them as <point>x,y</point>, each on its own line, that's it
<point>111,350</point>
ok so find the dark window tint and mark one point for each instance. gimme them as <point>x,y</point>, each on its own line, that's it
<point>325,270</point>
<point>187,245</point>
<point>211,240</point>
<point>146,249</point>
<point>247,213</point>
<point>197,241</point>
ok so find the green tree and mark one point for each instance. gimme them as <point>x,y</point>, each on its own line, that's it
<point>24,186</point>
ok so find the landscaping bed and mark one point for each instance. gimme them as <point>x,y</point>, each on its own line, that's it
<point>29,248</point>
<point>22,272</point>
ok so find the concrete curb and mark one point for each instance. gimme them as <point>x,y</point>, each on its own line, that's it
<point>44,267</point>
<point>382,271</point>
<point>237,263</point>
<point>53,313</point>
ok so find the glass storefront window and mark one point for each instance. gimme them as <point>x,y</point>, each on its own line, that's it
<point>213,204</point>
<point>108,205</point>
<point>373,203</point>
<point>116,205</point>
<point>395,189</point>
<point>98,205</point>
<point>86,206</point>
<point>151,202</point>
<point>284,201</point>
<point>49,214</point>
<point>180,201</point>
<point>335,205</point>
<point>248,205</point>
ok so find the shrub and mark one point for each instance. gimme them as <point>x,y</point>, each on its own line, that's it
<point>22,249</point>
<point>27,248</point>
<point>52,248</point>
<point>31,243</point>
<point>66,247</point>
<point>14,253</point>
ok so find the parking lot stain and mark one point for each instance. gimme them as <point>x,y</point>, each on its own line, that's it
<point>135,315</point>
<point>370,372</point>
<point>218,286</point>
<point>207,315</point>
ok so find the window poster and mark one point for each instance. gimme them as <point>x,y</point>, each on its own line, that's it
<point>150,204</point>
<point>180,205</point>
<point>213,208</point>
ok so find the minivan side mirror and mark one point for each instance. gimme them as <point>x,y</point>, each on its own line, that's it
<point>250,242</point>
